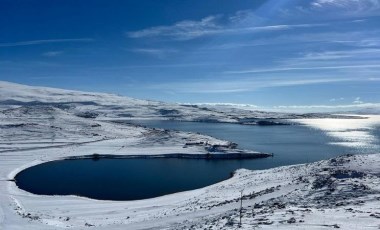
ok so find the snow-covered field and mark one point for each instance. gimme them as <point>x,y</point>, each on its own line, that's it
<point>42,124</point>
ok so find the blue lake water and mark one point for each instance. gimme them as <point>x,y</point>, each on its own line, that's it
<point>131,179</point>
<point>123,179</point>
<point>291,144</point>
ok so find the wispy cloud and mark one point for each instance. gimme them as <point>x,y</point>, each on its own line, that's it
<point>355,10</point>
<point>47,41</point>
<point>285,69</point>
<point>349,62</point>
<point>211,25</point>
<point>337,8</point>
<point>319,108</point>
<point>353,39</point>
<point>158,53</point>
<point>52,53</point>
<point>369,42</point>
<point>240,85</point>
<point>336,99</point>
<point>187,29</point>
<point>330,55</point>
<point>160,66</point>
<point>341,54</point>
<point>224,104</point>
<point>358,101</point>
<point>297,108</point>
<point>353,5</point>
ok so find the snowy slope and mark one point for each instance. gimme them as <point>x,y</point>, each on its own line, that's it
<point>110,106</point>
<point>24,93</point>
<point>106,106</point>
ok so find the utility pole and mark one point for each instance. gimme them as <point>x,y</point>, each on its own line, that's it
<point>241,206</point>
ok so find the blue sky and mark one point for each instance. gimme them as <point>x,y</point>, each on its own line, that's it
<point>290,54</point>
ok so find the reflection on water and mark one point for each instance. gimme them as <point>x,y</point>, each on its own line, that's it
<point>353,133</point>
<point>316,140</point>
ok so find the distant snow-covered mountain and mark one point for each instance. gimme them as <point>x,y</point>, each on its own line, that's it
<point>111,106</point>
<point>25,93</point>
<point>366,111</point>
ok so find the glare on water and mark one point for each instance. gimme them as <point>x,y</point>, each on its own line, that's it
<point>358,133</point>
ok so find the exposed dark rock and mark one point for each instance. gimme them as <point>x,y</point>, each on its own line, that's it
<point>88,114</point>
<point>291,220</point>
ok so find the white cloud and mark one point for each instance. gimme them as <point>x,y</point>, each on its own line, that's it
<point>224,104</point>
<point>348,106</point>
<point>288,68</point>
<point>321,108</point>
<point>369,43</point>
<point>331,55</point>
<point>354,5</point>
<point>245,16</point>
<point>300,108</point>
<point>354,39</point>
<point>247,21</point>
<point>48,41</point>
<point>347,8</point>
<point>52,53</point>
<point>183,30</point>
<point>358,101</point>
<point>239,85</point>
<point>211,25</point>
<point>324,56</point>
<point>335,9</point>
<point>336,99</point>
<point>159,53</point>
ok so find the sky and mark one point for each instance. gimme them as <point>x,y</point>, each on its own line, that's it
<point>288,55</point>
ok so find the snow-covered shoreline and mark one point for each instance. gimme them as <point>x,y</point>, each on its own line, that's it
<point>347,187</point>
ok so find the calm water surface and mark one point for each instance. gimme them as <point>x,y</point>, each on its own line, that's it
<point>123,179</point>
<point>131,179</point>
<point>316,139</point>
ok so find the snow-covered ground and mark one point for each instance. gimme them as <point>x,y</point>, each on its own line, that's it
<point>43,124</point>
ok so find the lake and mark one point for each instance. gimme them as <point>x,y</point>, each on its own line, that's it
<point>313,140</point>
<point>132,179</point>
<point>123,179</point>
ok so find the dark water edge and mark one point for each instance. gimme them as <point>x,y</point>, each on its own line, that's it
<point>208,156</point>
<point>124,179</point>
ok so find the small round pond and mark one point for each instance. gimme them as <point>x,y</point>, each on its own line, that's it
<point>124,179</point>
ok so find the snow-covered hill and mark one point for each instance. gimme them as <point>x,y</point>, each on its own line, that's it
<point>101,105</point>
<point>104,106</point>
